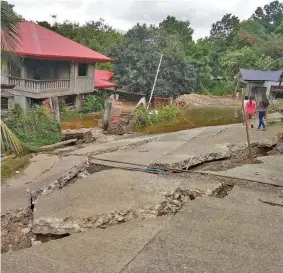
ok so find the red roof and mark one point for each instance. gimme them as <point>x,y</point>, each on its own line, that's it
<point>101,79</point>
<point>37,41</point>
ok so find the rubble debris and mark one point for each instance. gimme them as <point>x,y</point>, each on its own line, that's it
<point>194,99</point>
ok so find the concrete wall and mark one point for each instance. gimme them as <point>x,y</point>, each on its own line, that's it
<point>82,84</point>
<point>50,70</point>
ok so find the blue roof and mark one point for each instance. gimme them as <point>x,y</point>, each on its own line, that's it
<point>259,75</point>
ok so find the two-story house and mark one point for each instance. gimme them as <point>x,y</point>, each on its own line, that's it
<point>52,67</point>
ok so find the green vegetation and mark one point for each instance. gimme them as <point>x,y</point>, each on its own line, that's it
<point>9,141</point>
<point>93,103</point>
<point>187,65</point>
<point>145,118</point>
<point>35,127</point>
<point>11,165</point>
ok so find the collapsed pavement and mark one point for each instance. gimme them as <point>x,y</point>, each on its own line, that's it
<point>67,202</point>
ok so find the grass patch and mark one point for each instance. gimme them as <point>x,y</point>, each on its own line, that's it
<point>11,165</point>
<point>275,123</point>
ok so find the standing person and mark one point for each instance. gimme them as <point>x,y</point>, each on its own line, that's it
<point>262,110</point>
<point>250,108</point>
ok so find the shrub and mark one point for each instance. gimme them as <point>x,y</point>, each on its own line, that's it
<point>220,89</point>
<point>144,118</point>
<point>93,103</point>
<point>35,126</point>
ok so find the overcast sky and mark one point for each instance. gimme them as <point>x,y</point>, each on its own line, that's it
<point>123,14</point>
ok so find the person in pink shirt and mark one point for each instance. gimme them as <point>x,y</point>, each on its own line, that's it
<point>250,107</point>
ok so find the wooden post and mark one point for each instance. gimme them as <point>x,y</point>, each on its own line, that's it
<point>246,125</point>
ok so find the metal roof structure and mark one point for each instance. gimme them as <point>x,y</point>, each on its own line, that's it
<point>259,75</point>
<point>39,42</point>
<point>102,78</point>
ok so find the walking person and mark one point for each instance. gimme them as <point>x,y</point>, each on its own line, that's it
<point>250,109</point>
<point>262,110</point>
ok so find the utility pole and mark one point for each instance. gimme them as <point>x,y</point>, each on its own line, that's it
<point>157,72</point>
<point>246,125</point>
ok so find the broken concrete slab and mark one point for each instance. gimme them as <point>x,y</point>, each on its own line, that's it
<point>16,198</point>
<point>103,251</point>
<point>234,234</point>
<point>13,191</point>
<point>270,171</point>
<point>58,176</point>
<point>101,199</point>
<point>99,148</point>
<point>188,148</point>
<point>149,153</point>
<point>43,174</point>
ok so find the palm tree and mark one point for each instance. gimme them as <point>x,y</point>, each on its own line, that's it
<point>10,38</point>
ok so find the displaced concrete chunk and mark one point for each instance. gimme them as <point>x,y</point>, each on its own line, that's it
<point>100,200</point>
<point>60,174</point>
<point>111,197</point>
<point>18,198</point>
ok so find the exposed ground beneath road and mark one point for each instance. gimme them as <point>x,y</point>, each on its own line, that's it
<point>131,221</point>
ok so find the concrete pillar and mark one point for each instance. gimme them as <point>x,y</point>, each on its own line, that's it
<point>23,76</point>
<point>79,102</point>
<point>106,115</point>
<point>268,88</point>
<point>4,74</point>
<point>22,101</point>
<point>55,106</point>
<point>72,76</point>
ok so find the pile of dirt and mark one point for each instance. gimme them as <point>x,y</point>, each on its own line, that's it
<point>194,99</point>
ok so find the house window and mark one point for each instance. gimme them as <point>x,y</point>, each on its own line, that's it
<point>82,71</point>
<point>4,103</point>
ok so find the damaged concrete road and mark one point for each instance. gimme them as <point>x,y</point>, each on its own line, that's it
<point>117,220</point>
<point>185,149</point>
<point>96,201</point>
<point>234,234</point>
<point>207,235</point>
<point>44,174</point>
<point>269,170</point>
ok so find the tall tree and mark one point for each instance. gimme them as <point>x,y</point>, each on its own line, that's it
<point>137,60</point>
<point>10,36</point>
<point>271,15</point>
<point>180,31</point>
<point>174,26</point>
<point>225,29</point>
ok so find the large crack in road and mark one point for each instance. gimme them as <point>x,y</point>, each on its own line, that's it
<point>21,229</point>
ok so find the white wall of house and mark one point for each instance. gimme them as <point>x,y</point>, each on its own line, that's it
<point>49,79</point>
<point>51,71</point>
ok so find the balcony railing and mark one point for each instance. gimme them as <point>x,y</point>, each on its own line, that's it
<point>40,85</point>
